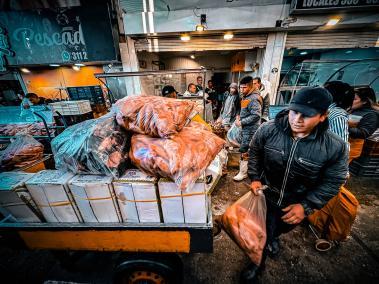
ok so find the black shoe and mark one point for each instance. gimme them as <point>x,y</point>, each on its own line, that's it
<point>273,249</point>
<point>250,274</point>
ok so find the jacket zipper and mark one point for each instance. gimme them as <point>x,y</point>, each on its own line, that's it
<point>292,154</point>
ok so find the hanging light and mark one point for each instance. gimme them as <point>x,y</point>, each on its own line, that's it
<point>76,68</point>
<point>79,64</point>
<point>25,70</point>
<point>333,21</point>
<point>200,28</point>
<point>228,36</point>
<point>54,65</point>
<point>192,56</point>
<point>185,37</point>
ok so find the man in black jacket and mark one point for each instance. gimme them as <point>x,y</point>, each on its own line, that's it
<point>301,162</point>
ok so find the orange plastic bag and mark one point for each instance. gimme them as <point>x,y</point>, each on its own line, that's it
<point>182,158</point>
<point>152,115</point>
<point>245,223</point>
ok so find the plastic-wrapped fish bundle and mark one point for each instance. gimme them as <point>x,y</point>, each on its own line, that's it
<point>96,146</point>
<point>152,115</point>
<point>183,158</point>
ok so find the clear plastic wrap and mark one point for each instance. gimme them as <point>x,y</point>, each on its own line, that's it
<point>245,223</point>
<point>23,150</point>
<point>182,158</point>
<point>152,115</point>
<point>96,146</point>
<point>234,135</point>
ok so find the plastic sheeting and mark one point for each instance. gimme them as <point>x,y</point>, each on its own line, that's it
<point>23,150</point>
<point>96,146</point>
<point>234,135</point>
<point>182,158</point>
<point>152,115</point>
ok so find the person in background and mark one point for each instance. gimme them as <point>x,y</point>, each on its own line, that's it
<point>36,100</point>
<point>199,86</point>
<point>191,91</point>
<point>212,97</point>
<point>169,92</point>
<point>231,107</point>
<point>249,120</point>
<point>302,164</point>
<point>265,96</point>
<point>364,119</point>
<point>338,117</point>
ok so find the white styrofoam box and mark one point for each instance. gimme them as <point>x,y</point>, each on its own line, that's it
<point>15,198</point>
<point>50,191</point>
<point>171,201</point>
<point>93,194</point>
<point>214,170</point>
<point>195,201</point>
<point>137,197</point>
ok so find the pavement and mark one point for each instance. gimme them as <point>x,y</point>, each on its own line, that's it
<point>355,261</point>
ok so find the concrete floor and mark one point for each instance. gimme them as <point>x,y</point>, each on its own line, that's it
<point>356,260</point>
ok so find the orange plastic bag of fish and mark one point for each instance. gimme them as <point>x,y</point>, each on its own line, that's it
<point>152,115</point>
<point>183,158</point>
<point>245,223</point>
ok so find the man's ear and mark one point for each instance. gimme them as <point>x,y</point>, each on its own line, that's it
<point>323,117</point>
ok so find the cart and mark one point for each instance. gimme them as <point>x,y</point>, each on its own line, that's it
<point>150,250</point>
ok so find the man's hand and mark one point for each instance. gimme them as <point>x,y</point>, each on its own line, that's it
<point>256,186</point>
<point>238,121</point>
<point>295,214</point>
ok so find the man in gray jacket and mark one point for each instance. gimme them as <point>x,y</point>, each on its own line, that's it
<point>249,120</point>
<point>300,161</point>
<point>265,94</point>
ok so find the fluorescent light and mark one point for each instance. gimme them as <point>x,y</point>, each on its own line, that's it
<point>200,28</point>
<point>228,36</point>
<point>185,37</point>
<point>79,64</point>
<point>25,70</point>
<point>192,56</point>
<point>76,68</point>
<point>333,22</point>
<point>349,51</point>
<point>54,65</point>
<point>303,53</point>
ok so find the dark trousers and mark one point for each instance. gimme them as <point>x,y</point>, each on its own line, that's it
<point>274,226</point>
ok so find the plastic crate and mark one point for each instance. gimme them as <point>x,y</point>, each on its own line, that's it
<point>72,107</point>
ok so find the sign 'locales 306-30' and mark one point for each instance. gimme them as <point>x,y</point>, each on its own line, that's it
<point>301,6</point>
<point>65,36</point>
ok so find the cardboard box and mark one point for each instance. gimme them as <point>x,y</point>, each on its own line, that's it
<point>15,198</point>
<point>50,192</point>
<point>195,200</point>
<point>171,201</point>
<point>137,197</point>
<point>93,194</point>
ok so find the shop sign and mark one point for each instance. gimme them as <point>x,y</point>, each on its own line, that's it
<point>319,6</point>
<point>66,36</point>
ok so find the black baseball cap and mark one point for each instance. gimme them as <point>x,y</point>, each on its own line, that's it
<point>168,90</point>
<point>311,101</point>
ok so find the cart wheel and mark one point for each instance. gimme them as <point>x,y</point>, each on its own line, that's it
<point>148,270</point>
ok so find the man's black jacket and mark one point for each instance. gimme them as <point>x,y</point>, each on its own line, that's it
<point>308,171</point>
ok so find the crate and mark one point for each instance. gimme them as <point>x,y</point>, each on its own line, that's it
<point>363,170</point>
<point>72,107</point>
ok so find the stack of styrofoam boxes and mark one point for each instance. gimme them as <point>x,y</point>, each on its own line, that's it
<point>189,206</point>
<point>136,193</point>
<point>72,107</point>
<point>94,197</point>
<point>49,189</point>
<point>15,198</point>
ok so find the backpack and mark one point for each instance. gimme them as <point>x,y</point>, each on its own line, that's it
<point>336,218</point>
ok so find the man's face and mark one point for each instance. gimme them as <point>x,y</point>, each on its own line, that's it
<point>233,91</point>
<point>34,100</point>
<point>246,89</point>
<point>200,81</point>
<point>192,89</point>
<point>210,84</point>
<point>302,125</point>
<point>172,95</point>
<point>256,84</point>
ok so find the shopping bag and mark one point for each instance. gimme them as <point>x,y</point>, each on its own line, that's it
<point>234,135</point>
<point>245,223</point>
